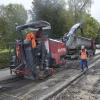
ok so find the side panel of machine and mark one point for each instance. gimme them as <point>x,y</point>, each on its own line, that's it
<point>84,41</point>
<point>57,51</point>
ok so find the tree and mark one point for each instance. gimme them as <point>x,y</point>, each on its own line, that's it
<point>78,8</point>
<point>98,36</point>
<point>79,11</point>
<point>63,15</point>
<point>9,15</point>
<point>91,26</point>
<point>52,11</point>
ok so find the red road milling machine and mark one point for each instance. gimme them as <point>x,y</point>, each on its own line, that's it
<point>35,63</point>
<point>39,62</point>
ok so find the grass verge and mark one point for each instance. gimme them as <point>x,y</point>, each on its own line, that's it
<point>4,58</point>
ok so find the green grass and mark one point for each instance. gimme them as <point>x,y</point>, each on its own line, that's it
<point>4,51</point>
<point>4,58</point>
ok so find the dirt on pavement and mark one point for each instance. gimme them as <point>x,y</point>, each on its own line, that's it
<point>85,88</point>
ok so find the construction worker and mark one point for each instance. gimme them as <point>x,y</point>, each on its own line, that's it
<point>83,57</point>
<point>31,37</point>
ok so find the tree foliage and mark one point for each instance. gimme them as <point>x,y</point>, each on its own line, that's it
<point>98,36</point>
<point>91,27</point>
<point>63,15</point>
<point>78,8</point>
<point>9,15</point>
<point>52,11</point>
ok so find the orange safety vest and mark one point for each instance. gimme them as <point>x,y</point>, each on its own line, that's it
<point>83,54</point>
<point>31,37</point>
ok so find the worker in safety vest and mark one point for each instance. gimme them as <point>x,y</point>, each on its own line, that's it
<point>31,37</point>
<point>83,58</point>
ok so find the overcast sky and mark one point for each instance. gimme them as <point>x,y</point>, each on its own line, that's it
<point>95,10</point>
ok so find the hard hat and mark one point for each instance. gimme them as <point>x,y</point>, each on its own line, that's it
<point>82,47</point>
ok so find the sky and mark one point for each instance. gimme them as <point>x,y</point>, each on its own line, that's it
<point>95,12</point>
<point>26,3</point>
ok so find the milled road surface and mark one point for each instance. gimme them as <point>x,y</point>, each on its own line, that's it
<point>23,89</point>
<point>86,87</point>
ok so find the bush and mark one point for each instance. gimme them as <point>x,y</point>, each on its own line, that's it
<point>4,58</point>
